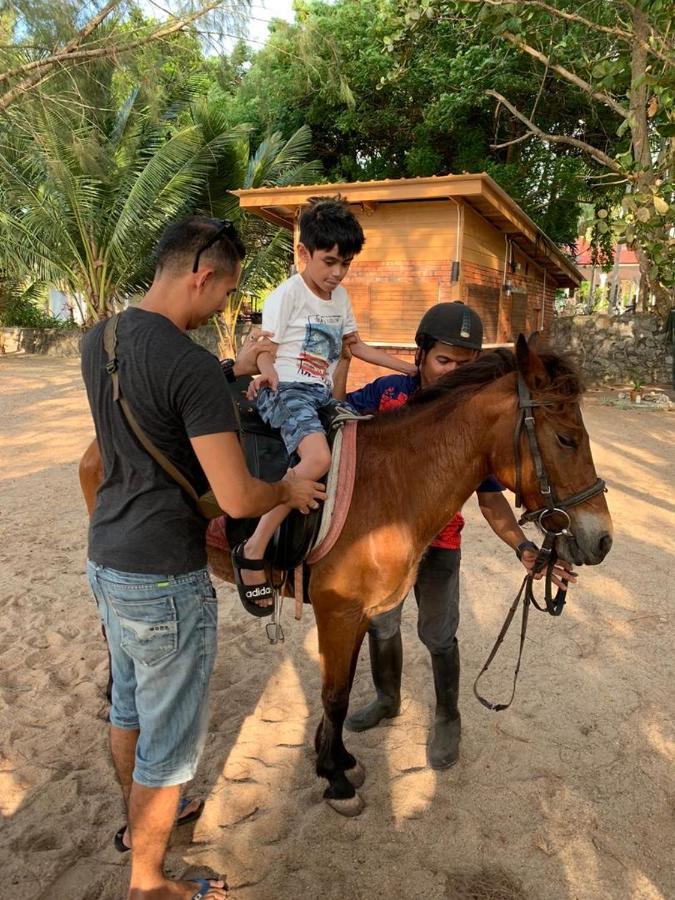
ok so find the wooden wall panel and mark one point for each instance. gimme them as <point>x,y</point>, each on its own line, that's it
<point>408,232</point>
<point>483,244</point>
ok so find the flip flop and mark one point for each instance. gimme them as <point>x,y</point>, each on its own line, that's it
<point>249,593</point>
<point>205,887</point>
<point>118,840</point>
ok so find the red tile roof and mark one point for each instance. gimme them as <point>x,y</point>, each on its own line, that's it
<point>583,254</point>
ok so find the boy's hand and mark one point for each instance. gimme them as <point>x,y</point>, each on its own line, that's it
<point>346,346</point>
<point>252,390</point>
<point>270,380</point>
<point>303,494</point>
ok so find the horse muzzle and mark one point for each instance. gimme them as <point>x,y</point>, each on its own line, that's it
<point>583,549</point>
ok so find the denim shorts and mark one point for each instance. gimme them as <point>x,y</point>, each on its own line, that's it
<point>161,632</point>
<point>294,409</point>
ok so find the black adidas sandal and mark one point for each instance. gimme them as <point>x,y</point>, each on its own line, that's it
<point>249,593</point>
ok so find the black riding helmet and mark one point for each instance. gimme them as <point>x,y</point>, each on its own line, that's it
<point>451,323</point>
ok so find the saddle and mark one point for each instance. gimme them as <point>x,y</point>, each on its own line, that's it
<point>268,460</point>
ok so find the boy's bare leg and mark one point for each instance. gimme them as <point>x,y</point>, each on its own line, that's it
<point>314,463</point>
<point>152,813</point>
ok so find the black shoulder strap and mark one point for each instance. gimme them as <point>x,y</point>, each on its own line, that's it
<point>110,347</point>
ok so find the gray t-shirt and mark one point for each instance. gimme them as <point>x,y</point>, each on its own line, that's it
<point>143,521</point>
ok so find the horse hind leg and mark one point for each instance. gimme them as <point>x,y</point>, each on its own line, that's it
<point>339,644</point>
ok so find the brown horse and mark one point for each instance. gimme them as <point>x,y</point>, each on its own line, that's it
<point>416,466</point>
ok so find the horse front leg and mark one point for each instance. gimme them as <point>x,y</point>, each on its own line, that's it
<point>341,626</point>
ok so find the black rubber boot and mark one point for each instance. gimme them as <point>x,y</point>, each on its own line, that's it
<point>443,746</point>
<point>386,664</point>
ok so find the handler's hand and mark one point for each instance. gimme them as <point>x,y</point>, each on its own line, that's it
<point>304,494</point>
<point>256,343</point>
<point>562,575</point>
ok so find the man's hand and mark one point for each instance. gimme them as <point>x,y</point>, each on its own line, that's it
<point>256,343</point>
<point>562,575</point>
<point>303,494</point>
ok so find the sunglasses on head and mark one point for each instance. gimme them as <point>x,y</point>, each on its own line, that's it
<point>225,229</point>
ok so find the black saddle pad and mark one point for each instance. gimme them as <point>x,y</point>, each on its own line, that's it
<point>268,460</point>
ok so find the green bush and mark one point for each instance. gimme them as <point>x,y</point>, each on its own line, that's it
<point>23,312</point>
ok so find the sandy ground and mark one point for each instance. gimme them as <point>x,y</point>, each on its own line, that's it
<point>566,795</point>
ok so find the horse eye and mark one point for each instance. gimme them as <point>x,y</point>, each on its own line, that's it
<point>568,442</point>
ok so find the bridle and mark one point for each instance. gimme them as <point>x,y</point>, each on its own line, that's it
<point>547,556</point>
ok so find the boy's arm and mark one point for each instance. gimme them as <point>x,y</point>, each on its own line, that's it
<point>268,374</point>
<point>379,357</point>
<point>341,372</point>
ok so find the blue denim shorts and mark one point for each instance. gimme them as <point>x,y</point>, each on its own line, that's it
<point>161,632</point>
<point>294,409</point>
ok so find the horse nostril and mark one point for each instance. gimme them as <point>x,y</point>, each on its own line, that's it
<point>605,544</point>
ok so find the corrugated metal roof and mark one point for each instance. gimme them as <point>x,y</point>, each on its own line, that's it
<point>280,204</point>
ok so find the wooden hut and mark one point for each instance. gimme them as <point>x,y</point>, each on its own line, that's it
<point>428,240</point>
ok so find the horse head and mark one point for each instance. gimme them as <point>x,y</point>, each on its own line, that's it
<point>551,467</point>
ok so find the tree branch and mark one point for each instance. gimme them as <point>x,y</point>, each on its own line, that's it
<point>519,140</point>
<point>622,33</point>
<point>62,57</point>
<point>566,74</point>
<point>67,49</point>
<point>596,154</point>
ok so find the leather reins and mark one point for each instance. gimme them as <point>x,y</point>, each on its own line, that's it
<point>547,556</point>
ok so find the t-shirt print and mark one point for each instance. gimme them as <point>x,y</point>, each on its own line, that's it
<point>321,345</point>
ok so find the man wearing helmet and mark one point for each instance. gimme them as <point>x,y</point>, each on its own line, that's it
<point>449,335</point>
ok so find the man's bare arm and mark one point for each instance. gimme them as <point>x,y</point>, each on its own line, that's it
<point>237,492</point>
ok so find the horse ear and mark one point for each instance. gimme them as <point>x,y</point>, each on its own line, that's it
<point>529,364</point>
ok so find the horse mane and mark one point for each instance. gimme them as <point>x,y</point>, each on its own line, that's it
<point>564,386</point>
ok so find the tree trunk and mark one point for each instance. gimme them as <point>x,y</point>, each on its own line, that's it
<point>642,155</point>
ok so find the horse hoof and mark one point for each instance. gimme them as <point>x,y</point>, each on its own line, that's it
<point>356,775</point>
<point>353,806</point>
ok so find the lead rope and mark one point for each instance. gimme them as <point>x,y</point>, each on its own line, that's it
<point>553,605</point>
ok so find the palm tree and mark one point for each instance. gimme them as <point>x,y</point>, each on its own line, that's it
<point>82,203</point>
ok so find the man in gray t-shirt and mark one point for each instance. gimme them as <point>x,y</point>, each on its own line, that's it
<point>147,553</point>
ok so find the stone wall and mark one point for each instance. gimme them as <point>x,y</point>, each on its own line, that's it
<point>615,349</point>
<point>611,349</point>
<point>47,341</point>
<point>58,342</point>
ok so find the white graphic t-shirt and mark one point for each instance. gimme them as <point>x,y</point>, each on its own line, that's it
<point>309,330</point>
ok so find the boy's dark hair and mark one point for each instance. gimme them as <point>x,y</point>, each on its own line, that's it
<point>327,221</point>
<point>181,241</point>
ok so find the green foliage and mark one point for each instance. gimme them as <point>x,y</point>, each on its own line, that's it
<point>82,204</point>
<point>24,308</point>
<point>417,111</point>
<point>619,61</point>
